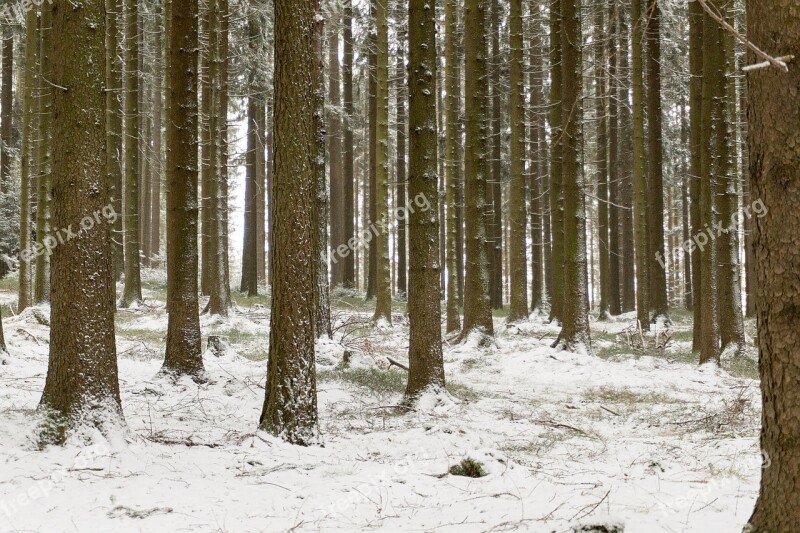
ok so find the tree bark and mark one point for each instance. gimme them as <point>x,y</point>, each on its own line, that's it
<point>477,303</point>
<point>184,349</point>
<point>775,180</point>
<point>334,136</point>
<point>556,286</point>
<point>426,365</point>
<point>290,405</point>
<point>82,386</point>
<point>696,149</point>
<point>44,195</point>
<point>349,202</point>
<point>518,309</point>
<point>132,293</point>
<point>452,162</point>
<point>26,160</point>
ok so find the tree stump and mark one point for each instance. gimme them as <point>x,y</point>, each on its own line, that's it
<point>218,345</point>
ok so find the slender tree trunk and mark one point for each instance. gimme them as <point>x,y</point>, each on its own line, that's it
<point>536,166</point>
<point>574,334</point>
<point>371,213</point>
<point>688,291</point>
<point>401,177</point>
<point>729,295</point>
<point>207,148</point>
<point>383,280</point>
<point>426,365</point>
<point>477,302</point>
<point>156,168</point>
<point>114,118</point>
<point>625,165</point>
<point>494,193</point>
<point>132,293</point>
<point>334,129</point>
<point>696,149</point>
<point>6,130</point>
<point>452,162</point>
<point>712,75</point>
<point>556,158</point>
<point>641,232</point>
<point>614,176</point>
<point>775,180</point>
<point>44,196</point>
<point>518,309</point>
<point>349,203</point>
<point>602,169</point>
<point>322,311</point>
<point>184,353</point>
<point>290,405</point>
<point>82,387</point>
<point>657,293</point>
<point>26,160</point>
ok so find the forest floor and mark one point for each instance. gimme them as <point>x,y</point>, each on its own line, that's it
<point>636,435</point>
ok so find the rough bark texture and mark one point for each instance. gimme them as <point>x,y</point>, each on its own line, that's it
<point>184,352</point>
<point>614,206</point>
<point>624,163</point>
<point>452,162</point>
<point>290,405</point>
<point>602,169</point>
<point>494,193</point>
<point>774,155</point>
<point>518,213</point>
<point>114,129</point>
<point>26,178</point>
<point>6,103</point>
<point>383,279</point>
<point>44,175</point>
<point>695,153</point>
<point>657,290</point>
<point>401,178</point>
<point>426,365</point>
<point>82,386</point>
<point>640,223</point>
<point>574,334</point>
<point>349,202</point>
<point>477,305</point>
<point>132,293</point>
<point>556,285</point>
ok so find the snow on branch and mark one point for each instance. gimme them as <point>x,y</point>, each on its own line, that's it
<point>779,62</point>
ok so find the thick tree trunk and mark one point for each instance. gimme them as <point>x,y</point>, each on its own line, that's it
<point>495,191</point>
<point>477,303</point>
<point>426,365</point>
<point>184,351</point>
<point>290,405</point>
<point>775,180</point>
<point>82,386</point>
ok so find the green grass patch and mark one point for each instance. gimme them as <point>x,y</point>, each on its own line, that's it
<point>468,468</point>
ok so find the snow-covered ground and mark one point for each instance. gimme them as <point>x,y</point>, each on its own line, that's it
<point>653,443</point>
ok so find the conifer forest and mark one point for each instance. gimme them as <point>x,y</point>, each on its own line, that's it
<point>400,265</point>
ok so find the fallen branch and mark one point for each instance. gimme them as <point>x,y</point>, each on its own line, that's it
<point>392,363</point>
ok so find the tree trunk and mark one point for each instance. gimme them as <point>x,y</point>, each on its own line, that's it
<point>641,233</point>
<point>348,276</point>
<point>426,365</point>
<point>574,334</point>
<point>775,180</point>
<point>156,168</point>
<point>132,293</point>
<point>556,286</point>
<point>184,349</point>
<point>290,405</point>
<point>494,193</point>
<point>602,169</point>
<point>6,117</point>
<point>536,164</point>
<point>614,205</point>
<point>518,309</point>
<point>625,165</point>
<point>371,213</point>
<point>452,137</point>
<point>477,303</point>
<point>44,196</point>
<point>696,149</point>
<point>114,130</point>
<point>383,280</point>
<point>401,176</point>
<point>26,160</point>
<point>82,386</point>
<point>712,76</point>
<point>657,293</point>
<point>334,136</point>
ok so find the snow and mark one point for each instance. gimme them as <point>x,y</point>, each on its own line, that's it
<point>648,442</point>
